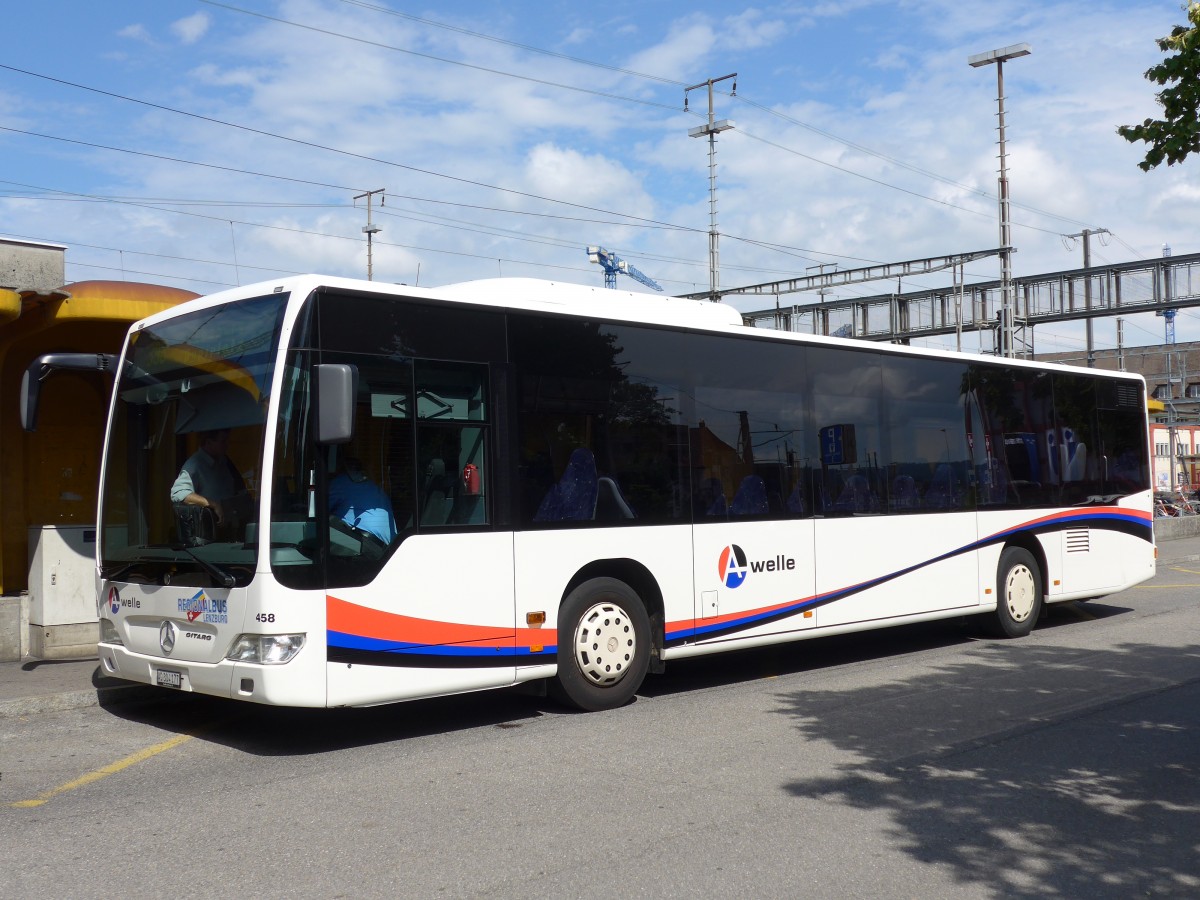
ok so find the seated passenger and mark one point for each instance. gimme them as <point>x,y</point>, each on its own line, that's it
<point>360,502</point>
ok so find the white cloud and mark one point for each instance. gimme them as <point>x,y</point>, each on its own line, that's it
<point>680,53</point>
<point>136,32</point>
<point>894,57</point>
<point>892,77</point>
<point>589,179</point>
<point>750,30</point>
<point>191,28</point>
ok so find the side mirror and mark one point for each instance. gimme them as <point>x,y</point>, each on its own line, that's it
<point>336,389</point>
<point>31,389</point>
<point>41,368</point>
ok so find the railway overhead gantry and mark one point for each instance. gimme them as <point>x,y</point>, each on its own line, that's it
<point>1153,285</point>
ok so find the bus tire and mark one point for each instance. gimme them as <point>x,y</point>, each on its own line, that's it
<point>1019,590</point>
<point>603,645</point>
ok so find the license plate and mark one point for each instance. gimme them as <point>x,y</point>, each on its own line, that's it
<point>167,678</point>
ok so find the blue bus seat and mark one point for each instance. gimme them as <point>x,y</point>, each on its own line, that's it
<point>904,493</point>
<point>751,498</point>
<point>573,499</point>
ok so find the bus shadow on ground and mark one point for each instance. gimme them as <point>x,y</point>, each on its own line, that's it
<point>1089,789</point>
<point>278,731</point>
<point>702,672</point>
<point>273,731</point>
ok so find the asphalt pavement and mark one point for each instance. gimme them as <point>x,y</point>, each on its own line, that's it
<point>34,686</point>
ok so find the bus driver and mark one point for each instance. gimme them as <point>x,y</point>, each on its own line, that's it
<point>209,478</point>
<point>360,502</point>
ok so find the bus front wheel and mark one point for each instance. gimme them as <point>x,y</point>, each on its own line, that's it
<point>603,645</point>
<point>1019,585</point>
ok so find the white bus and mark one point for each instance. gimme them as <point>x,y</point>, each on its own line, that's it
<point>575,486</point>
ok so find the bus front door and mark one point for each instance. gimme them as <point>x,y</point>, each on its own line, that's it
<point>438,619</point>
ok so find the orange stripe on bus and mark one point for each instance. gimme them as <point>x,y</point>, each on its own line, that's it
<point>350,618</point>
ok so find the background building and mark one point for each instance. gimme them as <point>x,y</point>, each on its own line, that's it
<point>49,478</point>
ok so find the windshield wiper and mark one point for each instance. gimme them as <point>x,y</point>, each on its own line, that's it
<point>223,578</point>
<point>118,571</point>
<point>115,569</point>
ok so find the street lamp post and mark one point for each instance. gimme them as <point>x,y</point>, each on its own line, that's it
<point>999,57</point>
<point>369,229</point>
<point>711,130</point>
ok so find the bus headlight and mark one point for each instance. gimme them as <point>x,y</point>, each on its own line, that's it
<point>108,633</point>
<point>265,649</point>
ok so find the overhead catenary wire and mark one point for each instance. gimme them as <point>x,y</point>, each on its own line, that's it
<point>417,199</point>
<point>165,204</point>
<point>173,159</point>
<point>392,213</point>
<point>170,256</point>
<point>609,95</point>
<point>293,179</point>
<point>739,98</point>
<point>433,23</point>
<point>632,73</point>
<point>313,145</point>
<point>635,220</point>
<point>854,290</point>
<point>352,238</point>
<point>546,82</point>
<point>123,270</point>
<point>429,56</point>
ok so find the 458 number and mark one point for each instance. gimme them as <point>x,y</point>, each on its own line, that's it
<point>265,617</point>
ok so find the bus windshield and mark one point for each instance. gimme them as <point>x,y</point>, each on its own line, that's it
<point>185,446</point>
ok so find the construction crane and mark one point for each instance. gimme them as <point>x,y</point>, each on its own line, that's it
<point>1168,314</point>
<point>612,264</point>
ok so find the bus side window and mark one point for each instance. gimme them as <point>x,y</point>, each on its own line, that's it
<point>452,420</point>
<point>438,494</point>
<point>453,486</point>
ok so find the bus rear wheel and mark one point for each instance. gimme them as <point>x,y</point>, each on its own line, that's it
<point>1019,586</point>
<point>603,645</point>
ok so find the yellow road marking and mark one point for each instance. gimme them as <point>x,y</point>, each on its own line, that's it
<point>1180,569</point>
<point>97,774</point>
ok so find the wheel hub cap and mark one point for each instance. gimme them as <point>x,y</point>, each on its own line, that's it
<point>605,644</point>
<point>1020,593</point>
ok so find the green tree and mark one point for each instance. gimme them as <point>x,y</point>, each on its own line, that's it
<point>1177,133</point>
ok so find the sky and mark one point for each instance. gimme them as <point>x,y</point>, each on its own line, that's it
<point>208,144</point>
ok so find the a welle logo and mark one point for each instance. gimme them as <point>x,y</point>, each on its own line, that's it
<point>734,568</point>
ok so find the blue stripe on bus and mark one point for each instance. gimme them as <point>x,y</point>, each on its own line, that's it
<point>344,647</point>
<point>358,642</point>
<point>1131,523</point>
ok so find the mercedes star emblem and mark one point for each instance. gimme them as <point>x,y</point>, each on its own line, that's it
<point>166,637</point>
